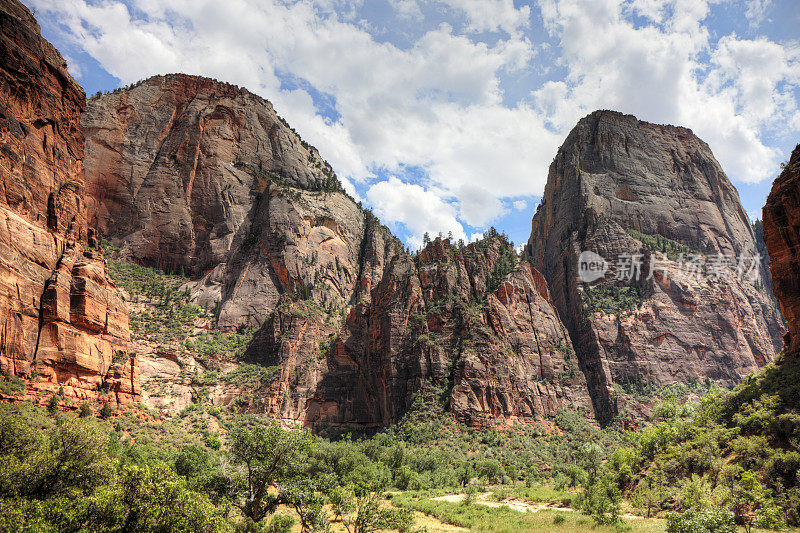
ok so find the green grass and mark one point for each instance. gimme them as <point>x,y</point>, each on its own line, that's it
<point>481,518</point>
<point>536,494</point>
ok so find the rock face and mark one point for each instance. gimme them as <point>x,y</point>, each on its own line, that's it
<point>189,173</point>
<point>63,325</point>
<point>629,191</point>
<point>500,353</point>
<point>782,236</point>
<point>174,163</point>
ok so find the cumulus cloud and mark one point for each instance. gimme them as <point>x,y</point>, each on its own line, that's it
<point>437,98</point>
<point>656,71</point>
<point>420,210</point>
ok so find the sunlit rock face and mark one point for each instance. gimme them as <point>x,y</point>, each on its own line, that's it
<point>63,324</point>
<point>189,173</point>
<point>630,191</point>
<point>782,237</point>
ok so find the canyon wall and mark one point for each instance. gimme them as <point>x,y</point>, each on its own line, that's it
<point>782,236</point>
<point>642,194</point>
<point>186,173</point>
<point>63,324</point>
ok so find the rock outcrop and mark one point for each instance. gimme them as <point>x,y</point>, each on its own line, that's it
<point>188,173</point>
<point>63,324</point>
<point>174,164</point>
<point>639,193</point>
<point>500,353</point>
<point>782,236</point>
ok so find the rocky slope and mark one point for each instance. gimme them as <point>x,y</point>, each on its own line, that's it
<point>782,236</point>
<point>500,352</point>
<point>64,325</point>
<point>637,192</point>
<point>207,178</point>
<point>179,169</point>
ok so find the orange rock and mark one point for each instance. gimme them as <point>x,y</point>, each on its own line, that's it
<point>63,323</point>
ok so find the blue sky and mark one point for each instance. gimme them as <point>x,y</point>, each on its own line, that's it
<point>444,115</point>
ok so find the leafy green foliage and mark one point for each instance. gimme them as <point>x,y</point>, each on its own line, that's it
<point>611,299</point>
<point>504,264</point>
<point>271,456</point>
<point>216,344</point>
<point>11,385</point>
<point>251,374</point>
<point>714,520</point>
<point>658,243</point>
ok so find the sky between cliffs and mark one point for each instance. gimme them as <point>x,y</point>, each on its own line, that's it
<point>445,115</point>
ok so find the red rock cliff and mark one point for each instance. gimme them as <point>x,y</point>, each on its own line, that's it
<point>626,189</point>
<point>187,172</point>
<point>63,324</point>
<point>782,236</point>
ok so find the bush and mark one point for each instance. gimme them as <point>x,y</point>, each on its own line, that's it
<point>611,299</point>
<point>601,500</point>
<point>280,523</point>
<point>52,405</point>
<point>714,520</point>
<point>11,385</point>
<point>85,411</point>
<point>106,411</point>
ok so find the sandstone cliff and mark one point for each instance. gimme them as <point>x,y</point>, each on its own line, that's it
<point>629,190</point>
<point>500,352</point>
<point>63,324</point>
<point>782,236</point>
<point>188,173</point>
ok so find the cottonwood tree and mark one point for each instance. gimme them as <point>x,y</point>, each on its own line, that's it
<point>271,456</point>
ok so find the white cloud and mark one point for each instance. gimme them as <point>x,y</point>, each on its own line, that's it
<point>73,67</point>
<point>520,205</point>
<point>492,15</point>
<point>438,102</point>
<point>756,11</point>
<point>655,71</point>
<point>422,211</point>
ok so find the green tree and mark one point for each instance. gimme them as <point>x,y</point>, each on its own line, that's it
<point>649,494</point>
<point>365,514</point>
<point>106,411</point>
<point>153,498</point>
<point>52,405</point>
<point>270,456</point>
<point>601,500</point>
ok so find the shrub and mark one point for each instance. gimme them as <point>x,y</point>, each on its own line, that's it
<point>601,500</point>
<point>714,520</point>
<point>611,299</point>
<point>280,523</point>
<point>106,411</point>
<point>85,411</point>
<point>11,385</point>
<point>52,405</point>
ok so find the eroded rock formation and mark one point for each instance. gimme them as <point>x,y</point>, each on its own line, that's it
<point>63,325</point>
<point>501,353</point>
<point>630,190</point>
<point>206,177</point>
<point>782,236</point>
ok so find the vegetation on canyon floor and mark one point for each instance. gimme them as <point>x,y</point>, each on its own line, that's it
<point>705,466</point>
<point>730,458</point>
